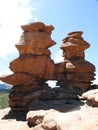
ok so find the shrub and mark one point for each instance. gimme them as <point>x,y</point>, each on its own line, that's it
<point>4,99</point>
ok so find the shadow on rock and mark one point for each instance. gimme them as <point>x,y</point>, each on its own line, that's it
<point>19,116</point>
<point>62,105</point>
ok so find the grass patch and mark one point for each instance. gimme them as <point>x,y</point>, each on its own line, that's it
<point>4,99</point>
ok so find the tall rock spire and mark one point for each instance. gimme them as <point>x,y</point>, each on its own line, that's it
<point>33,66</point>
<point>79,72</point>
<point>34,56</point>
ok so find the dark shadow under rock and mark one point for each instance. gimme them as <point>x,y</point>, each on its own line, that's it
<point>19,116</point>
<point>62,105</point>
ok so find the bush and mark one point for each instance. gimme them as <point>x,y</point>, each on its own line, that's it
<point>4,99</point>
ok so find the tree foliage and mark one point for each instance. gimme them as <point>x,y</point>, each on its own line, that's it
<point>4,99</point>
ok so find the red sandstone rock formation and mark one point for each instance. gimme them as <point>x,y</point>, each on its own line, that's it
<point>33,64</point>
<point>60,108</point>
<point>78,71</point>
<point>34,67</point>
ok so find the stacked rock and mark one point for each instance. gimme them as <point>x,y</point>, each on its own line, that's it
<point>33,66</point>
<point>34,54</point>
<point>79,72</point>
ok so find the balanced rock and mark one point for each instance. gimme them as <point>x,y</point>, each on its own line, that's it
<point>77,69</point>
<point>35,39</point>
<point>36,26</point>
<point>34,67</point>
<point>74,45</point>
<point>34,56</point>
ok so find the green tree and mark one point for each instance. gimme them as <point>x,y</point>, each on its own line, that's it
<point>4,99</point>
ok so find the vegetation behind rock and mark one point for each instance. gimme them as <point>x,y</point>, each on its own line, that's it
<point>4,98</point>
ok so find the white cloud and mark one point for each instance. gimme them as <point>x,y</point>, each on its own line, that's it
<point>96,80</point>
<point>13,14</point>
<point>7,72</point>
<point>58,57</point>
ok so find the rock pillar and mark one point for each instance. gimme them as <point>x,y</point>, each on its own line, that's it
<point>33,66</point>
<point>79,72</point>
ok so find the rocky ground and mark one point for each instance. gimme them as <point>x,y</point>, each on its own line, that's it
<point>8,122</point>
<point>81,118</point>
<point>72,105</point>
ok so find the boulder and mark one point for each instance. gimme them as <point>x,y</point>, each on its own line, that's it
<point>92,97</point>
<point>36,26</point>
<point>18,79</point>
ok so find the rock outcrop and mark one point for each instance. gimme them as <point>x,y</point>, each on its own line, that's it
<point>79,72</point>
<point>92,97</point>
<point>30,93</point>
<point>85,118</point>
<point>33,66</point>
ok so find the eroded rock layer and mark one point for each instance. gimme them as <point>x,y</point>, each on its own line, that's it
<point>78,71</point>
<point>34,67</point>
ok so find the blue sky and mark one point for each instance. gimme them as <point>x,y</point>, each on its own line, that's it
<point>64,15</point>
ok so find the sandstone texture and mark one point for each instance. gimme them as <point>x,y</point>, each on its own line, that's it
<point>78,70</point>
<point>34,105</point>
<point>9,122</point>
<point>83,118</point>
<point>33,67</point>
<point>91,97</point>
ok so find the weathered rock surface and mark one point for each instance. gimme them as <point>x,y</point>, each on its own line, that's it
<point>83,118</point>
<point>86,118</point>
<point>37,117</point>
<point>59,108</point>
<point>37,26</point>
<point>30,65</point>
<point>33,67</point>
<point>34,53</point>
<point>11,121</point>
<point>77,69</point>
<point>92,97</point>
<point>18,79</point>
